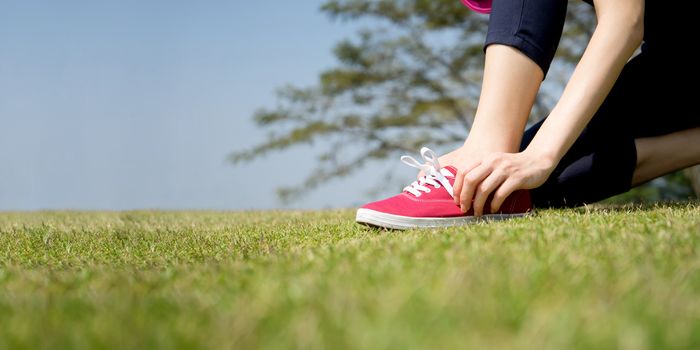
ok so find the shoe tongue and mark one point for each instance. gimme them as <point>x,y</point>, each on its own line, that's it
<point>449,171</point>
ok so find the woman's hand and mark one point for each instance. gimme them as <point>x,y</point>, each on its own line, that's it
<point>500,174</point>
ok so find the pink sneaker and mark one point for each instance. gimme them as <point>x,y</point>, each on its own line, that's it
<point>429,202</point>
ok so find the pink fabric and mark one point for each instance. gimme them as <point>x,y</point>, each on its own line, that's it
<point>439,204</point>
<point>481,6</point>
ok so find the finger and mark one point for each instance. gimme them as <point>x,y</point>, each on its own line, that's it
<point>506,189</point>
<point>484,189</point>
<point>471,180</point>
<point>459,180</point>
<point>457,186</point>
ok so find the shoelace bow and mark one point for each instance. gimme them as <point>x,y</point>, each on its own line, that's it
<point>433,173</point>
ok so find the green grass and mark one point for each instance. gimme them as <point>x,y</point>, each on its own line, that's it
<point>588,278</point>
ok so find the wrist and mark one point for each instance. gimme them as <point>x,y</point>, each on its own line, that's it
<point>545,158</point>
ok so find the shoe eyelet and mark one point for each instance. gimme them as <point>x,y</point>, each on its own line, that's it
<point>437,186</point>
<point>427,191</point>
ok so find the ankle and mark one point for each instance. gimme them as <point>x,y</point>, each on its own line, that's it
<point>484,146</point>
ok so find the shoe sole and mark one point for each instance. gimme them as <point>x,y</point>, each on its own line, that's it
<point>398,222</point>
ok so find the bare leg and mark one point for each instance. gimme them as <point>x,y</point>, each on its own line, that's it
<point>661,155</point>
<point>511,82</point>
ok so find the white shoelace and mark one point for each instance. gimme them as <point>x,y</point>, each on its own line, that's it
<point>434,174</point>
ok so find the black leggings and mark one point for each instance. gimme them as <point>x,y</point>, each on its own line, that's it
<point>648,99</point>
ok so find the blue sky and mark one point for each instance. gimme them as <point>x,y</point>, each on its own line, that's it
<point>135,104</point>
